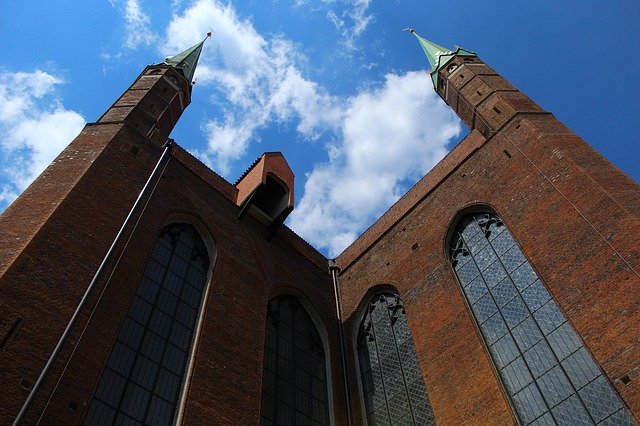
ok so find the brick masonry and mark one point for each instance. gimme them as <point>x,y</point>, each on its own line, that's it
<point>574,215</point>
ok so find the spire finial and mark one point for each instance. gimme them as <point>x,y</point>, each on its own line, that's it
<point>187,61</point>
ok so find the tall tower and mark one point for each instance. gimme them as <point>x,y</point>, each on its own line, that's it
<point>515,261</point>
<point>54,237</point>
<point>488,103</point>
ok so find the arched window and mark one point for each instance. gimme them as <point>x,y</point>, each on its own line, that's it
<point>546,370</point>
<point>142,381</point>
<point>394,390</point>
<point>294,382</point>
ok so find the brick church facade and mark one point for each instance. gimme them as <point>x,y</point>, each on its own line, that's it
<point>138,286</point>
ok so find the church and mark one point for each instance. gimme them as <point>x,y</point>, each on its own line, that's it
<point>137,286</point>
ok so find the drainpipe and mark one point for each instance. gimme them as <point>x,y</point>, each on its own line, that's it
<point>334,270</point>
<point>166,151</point>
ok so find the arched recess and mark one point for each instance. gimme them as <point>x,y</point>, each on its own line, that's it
<point>288,350</point>
<point>144,379</point>
<point>547,372</point>
<point>391,384</point>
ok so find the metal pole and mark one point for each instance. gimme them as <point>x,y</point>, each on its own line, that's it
<point>76,314</point>
<point>334,269</point>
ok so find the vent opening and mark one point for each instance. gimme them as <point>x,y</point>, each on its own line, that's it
<point>272,198</point>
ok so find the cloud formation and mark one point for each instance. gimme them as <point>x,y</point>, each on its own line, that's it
<point>35,128</point>
<point>138,24</point>
<point>382,139</point>
<point>390,137</point>
<point>255,79</point>
<point>352,22</point>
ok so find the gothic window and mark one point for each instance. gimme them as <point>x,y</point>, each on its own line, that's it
<point>143,377</point>
<point>547,372</point>
<point>392,383</point>
<point>294,381</point>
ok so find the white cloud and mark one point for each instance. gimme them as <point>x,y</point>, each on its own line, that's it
<point>35,128</point>
<point>257,77</point>
<point>352,22</point>
<point>390,136</point>
<point>382,139</point>
<point>138,24</point>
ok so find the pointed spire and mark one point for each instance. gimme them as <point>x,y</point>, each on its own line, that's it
<point>187,61</point>
<point>432,50</point>
<point>437,55</point>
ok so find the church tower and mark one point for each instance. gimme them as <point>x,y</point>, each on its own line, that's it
<point>55,235</point>
<point>515,263</point>
<point>138,286</point>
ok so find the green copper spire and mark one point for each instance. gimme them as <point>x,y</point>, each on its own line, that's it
<point>438,56</point>
<point>187,61</point>
<point>432,50</point>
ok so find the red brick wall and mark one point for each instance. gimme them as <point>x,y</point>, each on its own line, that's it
<point>47,278</point>
<point>55,235</point>
<point>574,214</point>
<point>247,272</point>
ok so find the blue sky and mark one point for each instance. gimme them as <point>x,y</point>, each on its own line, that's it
<point>335,85</point>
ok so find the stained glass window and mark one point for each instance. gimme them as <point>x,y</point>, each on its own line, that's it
<point>546,370</point>
<point>392,383</point>
<point>294,382</point>
<point>142,380</point>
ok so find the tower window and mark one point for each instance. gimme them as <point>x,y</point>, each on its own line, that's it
<point>294,382</point>
<point>394,390</point>
<point>545,368</point>
<point>142,381</point>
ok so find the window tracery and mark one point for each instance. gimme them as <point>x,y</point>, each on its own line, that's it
<point>392,383</point>
<point>545,368</point>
